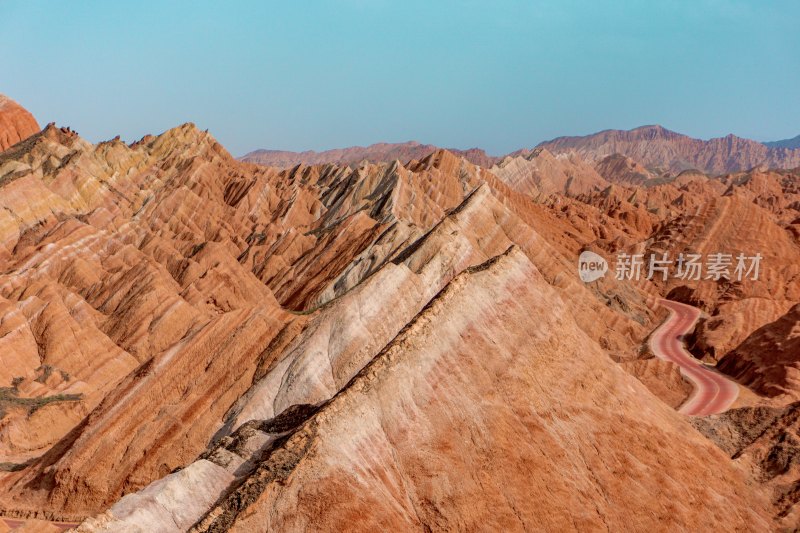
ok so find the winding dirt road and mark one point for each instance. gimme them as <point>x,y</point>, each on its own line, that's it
<point>713,393</point>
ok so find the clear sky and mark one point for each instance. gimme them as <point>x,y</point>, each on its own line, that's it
<point>315,74</point>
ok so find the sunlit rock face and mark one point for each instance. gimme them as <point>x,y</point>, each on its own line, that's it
<point>16,123</point>
<point>194,342</point>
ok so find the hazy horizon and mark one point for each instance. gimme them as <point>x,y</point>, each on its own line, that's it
<point>358,72</point>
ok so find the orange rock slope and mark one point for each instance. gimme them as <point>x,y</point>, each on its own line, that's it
<point>769,359</point>
<point>16,123</point>
<point>744,213</point>
<point>194,342</point>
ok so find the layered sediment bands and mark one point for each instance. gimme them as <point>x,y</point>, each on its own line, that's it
<point>768,361</point>
<point>731,224</point>
<point>158,295</point>
<point>166,411</point>
<point>190,340</point>
<point>541,173</point>
<point>350,330</point>
<point>734,224</point>
<point>732,322</point>
<point>387,432</point>
<point>746,213</point>
<point>763,441</point>
<point>381,454</point>
<point>616,168</point>
<point>16,123</point>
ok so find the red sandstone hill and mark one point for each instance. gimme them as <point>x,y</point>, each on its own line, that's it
<point>750,212</point>
<point>769,359</point>
<point>659,148</point>
<point>192,342</point>
<point>617,168</point>
<point>16,123</point>
<point>541,173</point>
<point>375,153</point>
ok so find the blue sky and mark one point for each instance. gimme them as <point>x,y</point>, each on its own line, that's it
<point>316,74</point>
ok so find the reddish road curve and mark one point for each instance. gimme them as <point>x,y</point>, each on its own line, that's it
<point>713,393</point>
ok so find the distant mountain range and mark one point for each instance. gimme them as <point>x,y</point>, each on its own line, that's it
<point>654,147</point>
<point>379,152</point>
<point>659,148</point>
<point>794,142</point>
